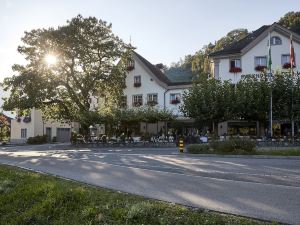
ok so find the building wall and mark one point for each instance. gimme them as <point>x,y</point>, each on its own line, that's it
<point>261,49</point>
<point>37,127</point>
<point>149,85</point>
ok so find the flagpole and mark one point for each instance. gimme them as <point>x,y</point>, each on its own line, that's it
<point>271,92</point>
<point>292,63</point>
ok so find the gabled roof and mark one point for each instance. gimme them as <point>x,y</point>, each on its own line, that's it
<point>162,77</point>
<point>247,42</point>
<point>237,46</point>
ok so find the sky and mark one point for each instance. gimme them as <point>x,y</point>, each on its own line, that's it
<point>162,30</point>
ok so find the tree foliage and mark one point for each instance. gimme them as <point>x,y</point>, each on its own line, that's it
<point>211,100</point>
<point>199,62</point>
<point>291,20</point>
<point>87,53</point>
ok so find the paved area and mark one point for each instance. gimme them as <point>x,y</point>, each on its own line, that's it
<point>256,187</point>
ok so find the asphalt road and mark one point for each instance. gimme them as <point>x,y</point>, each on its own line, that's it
<point>264,188</point>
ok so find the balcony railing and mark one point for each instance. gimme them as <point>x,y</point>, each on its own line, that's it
<point>137,84</point>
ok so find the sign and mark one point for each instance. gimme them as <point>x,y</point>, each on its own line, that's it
<point>261,75</point>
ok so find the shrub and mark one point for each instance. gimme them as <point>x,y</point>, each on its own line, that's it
<point>73,137</point>
<point>198,148</point>
<point>37,140</point>
<point>234,145</point>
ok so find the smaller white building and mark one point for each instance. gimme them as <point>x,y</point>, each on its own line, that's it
<point>33,125</point>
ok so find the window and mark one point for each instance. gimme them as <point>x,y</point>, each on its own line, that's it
<point>24,133</point>
<point>235,66</point>
<point>175,98</point>
<point>275,40</point>
<point>260,63</point>
<point>286,61</point>
<point>152,99</point>
<point>130,64</point>
<point>137,81</point>
<point>124,101</point>
<point>137,100</point>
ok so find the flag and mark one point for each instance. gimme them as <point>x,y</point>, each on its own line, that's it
<point>292,53</point>
<point>270,58</point>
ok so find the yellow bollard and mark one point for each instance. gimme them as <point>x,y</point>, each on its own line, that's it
<point>181,145</point>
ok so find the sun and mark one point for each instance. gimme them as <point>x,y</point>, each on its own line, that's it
<point>50,59</point>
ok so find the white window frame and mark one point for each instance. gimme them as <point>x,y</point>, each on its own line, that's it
<point>23,133</point>
<point>275,40</point>
<point>236,62</point>
<point>287,57</point>
<point>258,61</point>
<point>137,98</point>
<point>152,97</point>
<point>174,96</point>
<point>137,79</point>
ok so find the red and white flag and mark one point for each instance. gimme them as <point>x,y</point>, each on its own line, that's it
<point>292,53</point>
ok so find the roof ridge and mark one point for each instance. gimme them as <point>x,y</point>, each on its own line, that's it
<point>156,72</point>
<point>237,46</point>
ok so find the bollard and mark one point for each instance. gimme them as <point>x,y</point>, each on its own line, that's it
<point>181,145</point>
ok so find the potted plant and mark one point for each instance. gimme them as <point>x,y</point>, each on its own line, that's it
<point>175,101</point>
<point>260,68</point>
<point>287,66</point>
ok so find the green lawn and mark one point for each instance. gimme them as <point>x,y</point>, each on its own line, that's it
<point>32,198</point>
<point>283,152</point>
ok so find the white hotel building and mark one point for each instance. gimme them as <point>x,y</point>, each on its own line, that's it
<point>146,84</point>
<point>247,57</point>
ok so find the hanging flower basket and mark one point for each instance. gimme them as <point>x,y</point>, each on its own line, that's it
<point>175,101</point>
<point>27,119</point>
<point>287,66</point>
<point>260,68</point>
<point>235,70</point>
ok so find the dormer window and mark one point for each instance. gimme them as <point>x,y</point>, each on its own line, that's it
<point>130,64</point>
<point>275,40</point>
<point>137,81</point>
<point>235,66</point>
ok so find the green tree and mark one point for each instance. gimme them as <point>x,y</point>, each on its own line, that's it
<point>232,36</point>
<point>206,103</point>
<point>291,20</point>
<point>253,98</point>
<point>87,53</point>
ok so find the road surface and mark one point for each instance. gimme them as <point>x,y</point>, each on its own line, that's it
<point>264,188</point>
